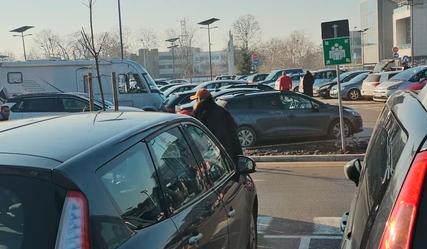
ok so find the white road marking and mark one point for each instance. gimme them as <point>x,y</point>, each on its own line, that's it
<point>327,225</point>
<point>304,244</point>
<point>301,237</point>
<point>263,223</point>
<point>258,180</point>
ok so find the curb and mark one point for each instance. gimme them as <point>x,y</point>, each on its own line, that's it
<point>308,158</point>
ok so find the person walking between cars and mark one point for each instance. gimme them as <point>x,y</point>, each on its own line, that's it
<point>307,83</point>
<point>219,121</point>
<point>285,82</point>
<point>4,113</point>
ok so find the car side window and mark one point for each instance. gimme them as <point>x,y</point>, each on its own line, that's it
<point>132,182</point>
<point>131,84</point>
<point>294,102</point>
<point>41,105</point>
<point>383,154</point>
<point>215,163</point>
<point>182,178</point>
<point>74,105</point>
<point>266,102</point>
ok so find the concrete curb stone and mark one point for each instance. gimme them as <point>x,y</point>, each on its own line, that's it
<point>309,158</point>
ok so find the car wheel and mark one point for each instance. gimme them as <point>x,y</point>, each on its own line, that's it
<point>247,136</point>
<point>296,89</point>
<point>335,131</point>
<point>353,94</point>
<point>253,232</point>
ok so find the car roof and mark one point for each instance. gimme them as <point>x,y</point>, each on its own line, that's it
<point>243,95</point>
<point>32,95</point>
<point>61,138</point>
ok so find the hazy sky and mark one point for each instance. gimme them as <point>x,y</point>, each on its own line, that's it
<point>278,18</point>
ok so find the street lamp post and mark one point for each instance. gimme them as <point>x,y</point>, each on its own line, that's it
<point>120,29</point>
<point>208,23</point>
<point>172,47</point>
<point>21,30</point>
<point>411,5</point>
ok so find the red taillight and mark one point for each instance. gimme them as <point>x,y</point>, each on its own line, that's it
<point>375,83</point>
<point>73,231</point>
<point>399,227</point>
<point>186,112</point>
<point>251,81</point>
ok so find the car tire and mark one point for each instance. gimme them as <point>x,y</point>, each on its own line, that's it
<point>247,136</point>
<point>296,89</point>
<point>334,129</point>
<point>353,94</point>
<point>253,231</point>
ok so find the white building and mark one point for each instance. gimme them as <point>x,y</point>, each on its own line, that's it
<point>402,31</point>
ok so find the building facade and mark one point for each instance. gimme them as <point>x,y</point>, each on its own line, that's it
<point>356,48</point>
<point>377,41</point>
<point>149,59</point>
<point>402,30</point>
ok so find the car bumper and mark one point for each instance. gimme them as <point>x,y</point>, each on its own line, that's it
<point>383,95</point>
<point>324,93</point>
<point>357,123</point>
<point>367,93</point>
<point>315,92</point>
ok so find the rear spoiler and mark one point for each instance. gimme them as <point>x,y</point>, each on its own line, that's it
<point>4,95</point>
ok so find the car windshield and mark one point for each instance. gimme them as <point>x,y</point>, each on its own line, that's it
<point>358,78</point>
<point>407,74</point>
<point>342,76</point>
<point>272,76</point>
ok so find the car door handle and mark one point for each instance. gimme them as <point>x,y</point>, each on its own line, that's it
<point>231,213</point>
<point>195,239</point>
<point>291,116</point>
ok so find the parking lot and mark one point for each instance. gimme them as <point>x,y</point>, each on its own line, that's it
<point>301,205</point>
<point>369,110</point>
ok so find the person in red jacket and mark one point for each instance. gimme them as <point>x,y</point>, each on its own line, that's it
<point>285,82</point>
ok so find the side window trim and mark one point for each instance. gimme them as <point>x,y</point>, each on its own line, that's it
<point>160,177</point>
<point>198,156</point>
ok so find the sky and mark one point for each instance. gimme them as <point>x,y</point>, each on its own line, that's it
<point>278,18</point>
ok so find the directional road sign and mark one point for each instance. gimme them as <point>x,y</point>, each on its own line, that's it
<point>335,29</point>
<point>395,55</point>
<point>255,62</point>
<point>337,51</point>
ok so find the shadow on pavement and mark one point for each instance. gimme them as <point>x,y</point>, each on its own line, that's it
<point>274,232</point>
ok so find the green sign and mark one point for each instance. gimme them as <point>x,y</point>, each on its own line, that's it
<point>336,51</point>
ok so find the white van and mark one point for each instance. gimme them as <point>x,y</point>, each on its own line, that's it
<point>135,86</point>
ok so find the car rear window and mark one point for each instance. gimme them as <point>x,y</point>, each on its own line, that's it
<point>30,211</point>
<point>373,78</point>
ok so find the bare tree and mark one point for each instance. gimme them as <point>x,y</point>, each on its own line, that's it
<point>89,43</point>
<point>111,44</point>
<point>9,56</point>
<point>247,32</point>
<point>188,47</point>
<point>51,44</point>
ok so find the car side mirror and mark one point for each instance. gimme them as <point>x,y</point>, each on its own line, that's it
<point>352,170</point>
<point>245,165</point>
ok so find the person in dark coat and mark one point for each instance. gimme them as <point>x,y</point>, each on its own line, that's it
<point>307,83</point>
<point>219,121</point>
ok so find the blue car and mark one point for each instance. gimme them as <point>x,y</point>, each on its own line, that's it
<point>350,90</point>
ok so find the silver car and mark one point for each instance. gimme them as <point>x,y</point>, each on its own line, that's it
<point>373,80</point>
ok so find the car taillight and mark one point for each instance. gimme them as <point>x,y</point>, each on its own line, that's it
<point>375,83</point>
<point>399,227</point>
<point>73,231</point>
<point>186,112</point>
<point>251,81</point>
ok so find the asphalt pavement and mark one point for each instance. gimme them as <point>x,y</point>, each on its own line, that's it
<point>369,110</point>
<point>301,204</point>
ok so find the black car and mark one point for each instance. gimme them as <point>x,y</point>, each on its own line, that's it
<point>324,89</point>
<point>122,180</point>
<point>161,83</point>
<point>175,99</point>
<point>261,87</point>
<point>389,209</point>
